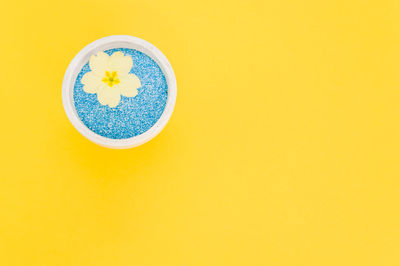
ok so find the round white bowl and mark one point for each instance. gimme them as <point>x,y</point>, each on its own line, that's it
<point>117,41</point>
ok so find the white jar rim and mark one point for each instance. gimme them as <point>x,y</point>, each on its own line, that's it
<point>110,42</point>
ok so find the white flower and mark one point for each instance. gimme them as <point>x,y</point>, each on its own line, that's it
<point>110,78</point>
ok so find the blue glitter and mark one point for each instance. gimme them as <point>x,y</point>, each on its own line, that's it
<point>133,115</point>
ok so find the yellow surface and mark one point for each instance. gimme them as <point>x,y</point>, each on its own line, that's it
<point>283,148</point>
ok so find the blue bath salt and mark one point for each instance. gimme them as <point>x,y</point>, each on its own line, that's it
<point>133,115</point>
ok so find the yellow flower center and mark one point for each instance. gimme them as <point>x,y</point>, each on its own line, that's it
<point>111,78</point>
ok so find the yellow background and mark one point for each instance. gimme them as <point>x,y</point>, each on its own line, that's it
<point>283,148</point>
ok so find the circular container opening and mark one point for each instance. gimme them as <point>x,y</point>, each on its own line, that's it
<point>134,120</point>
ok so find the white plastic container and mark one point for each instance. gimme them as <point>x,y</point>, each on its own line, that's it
<point>118,41</point>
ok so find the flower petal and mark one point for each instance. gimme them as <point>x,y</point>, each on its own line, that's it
<point>98,63</point>
<point>120,63</point>
<point>129,85</point>
<point>92,83</point>
<point>109,96</point>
